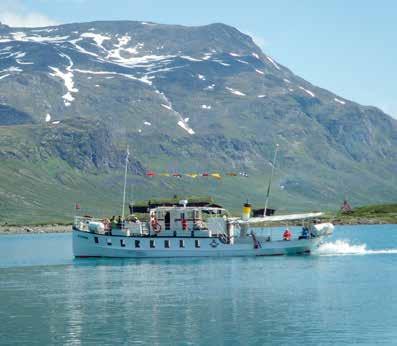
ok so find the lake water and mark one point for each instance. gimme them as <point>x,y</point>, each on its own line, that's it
<point>344,294</point>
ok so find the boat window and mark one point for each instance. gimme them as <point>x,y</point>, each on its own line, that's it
<point>167,220</point>
<point>197,243</point>
<point>181,243</point>
<point>137,243</point>
<point>96,240</point>
<point>167,244</point>
<point>109,241</point>
<point>122,242</point>
<point>152,243</point>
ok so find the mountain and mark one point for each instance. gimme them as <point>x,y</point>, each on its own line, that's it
<point>186,99</point>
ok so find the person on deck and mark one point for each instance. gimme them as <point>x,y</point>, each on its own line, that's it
<point>287,235</point>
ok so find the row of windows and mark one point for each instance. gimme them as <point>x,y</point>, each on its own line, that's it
<point>152,243</point>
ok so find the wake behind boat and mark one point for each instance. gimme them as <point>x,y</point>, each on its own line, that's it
<point>184,231</point>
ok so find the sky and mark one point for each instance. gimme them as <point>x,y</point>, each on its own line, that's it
<point>345,46</point>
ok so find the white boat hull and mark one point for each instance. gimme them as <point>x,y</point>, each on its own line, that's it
<point>87,244</point>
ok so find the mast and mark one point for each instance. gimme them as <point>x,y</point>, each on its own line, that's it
<point>270,180</point>
<point>125,181</point>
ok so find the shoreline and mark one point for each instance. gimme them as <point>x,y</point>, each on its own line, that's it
<point>56,228</point>
<point>34,229</point>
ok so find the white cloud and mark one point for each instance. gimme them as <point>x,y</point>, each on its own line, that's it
<point>15,14</point>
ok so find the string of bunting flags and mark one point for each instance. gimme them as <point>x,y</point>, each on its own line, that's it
<point>215,175</point>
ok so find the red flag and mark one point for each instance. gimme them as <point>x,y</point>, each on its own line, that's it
<point>150,174</point>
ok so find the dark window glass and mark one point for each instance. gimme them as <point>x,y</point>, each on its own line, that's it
<point>137,243</point>
<point>109,241</point>
<point>122,242</point>
<point>197,243</point>
<point>167,244</point>
<point>152,244</point>
<point>96,240</point>
<point>181,243</point>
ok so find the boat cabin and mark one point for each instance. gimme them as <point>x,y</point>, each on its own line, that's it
<point>187,221</point>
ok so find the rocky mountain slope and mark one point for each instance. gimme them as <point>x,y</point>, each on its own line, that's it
<point>186,99</point>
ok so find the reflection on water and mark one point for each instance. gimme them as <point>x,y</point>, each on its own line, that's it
<point>283,300</point>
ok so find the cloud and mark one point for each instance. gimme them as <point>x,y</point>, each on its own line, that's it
<point>14,13</point>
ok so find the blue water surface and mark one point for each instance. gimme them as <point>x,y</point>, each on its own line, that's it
<point>343,294</point>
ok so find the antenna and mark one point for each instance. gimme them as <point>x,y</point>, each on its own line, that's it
<point>125,180</point>
<point>270,180</point>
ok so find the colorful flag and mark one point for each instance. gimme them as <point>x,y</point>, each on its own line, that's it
<point>216,175</point>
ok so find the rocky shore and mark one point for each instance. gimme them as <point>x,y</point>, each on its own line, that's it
<point>22,229</point>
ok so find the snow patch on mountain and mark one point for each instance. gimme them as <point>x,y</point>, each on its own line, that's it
<point>182,121</point>
<point>273,62</point>
<point>166,106</point>
<point>186,57</point>
<point>98,38</point>
<point>311,93</point>
<point>339,101</point>
<point>21,36</point>
<point>186,127</point>
<point>221,62</point>
<point>235,92</point>
<point>210,87</point>
<point>145,79</point>
<point>206,56</point>
<point>67,78</point>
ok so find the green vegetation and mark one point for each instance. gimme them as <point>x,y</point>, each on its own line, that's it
<point>381,213</point>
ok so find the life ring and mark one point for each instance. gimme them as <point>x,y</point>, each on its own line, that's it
<point>155,225</point>
<point>214,243</point>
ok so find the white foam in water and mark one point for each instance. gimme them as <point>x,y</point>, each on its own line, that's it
<point>343,247</point>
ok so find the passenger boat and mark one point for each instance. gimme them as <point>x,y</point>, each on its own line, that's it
<point>183,231</point>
